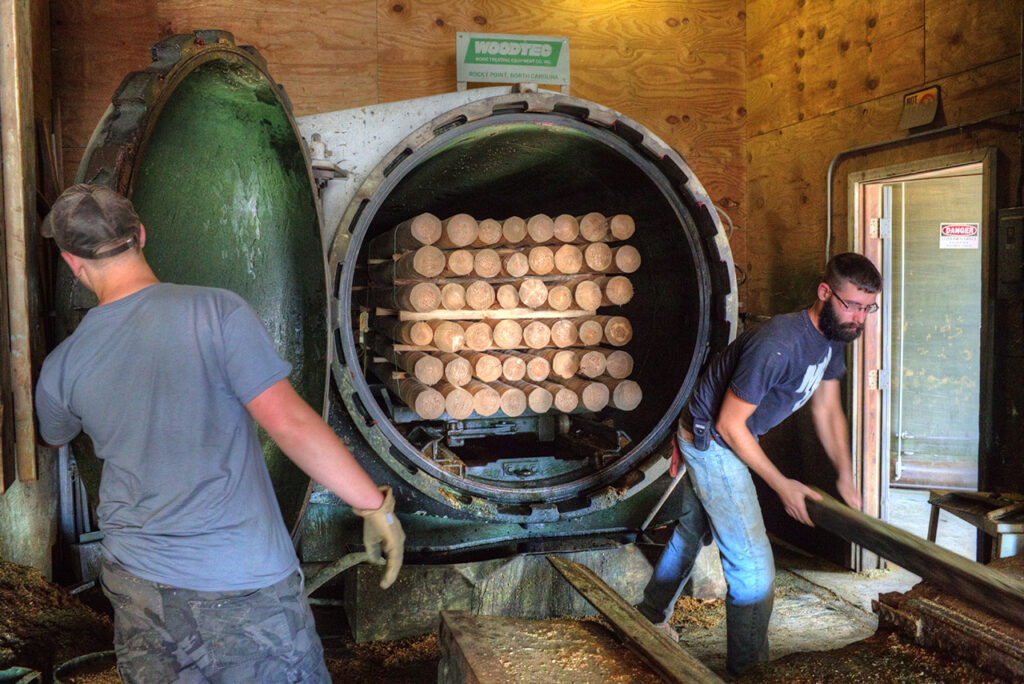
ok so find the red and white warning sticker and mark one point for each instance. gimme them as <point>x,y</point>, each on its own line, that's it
<point>959,235</point>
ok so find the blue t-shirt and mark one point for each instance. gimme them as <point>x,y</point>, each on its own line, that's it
<point>159,380</point>
<point>776,366</point>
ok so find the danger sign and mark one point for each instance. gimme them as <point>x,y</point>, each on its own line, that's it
<point>958,235</point>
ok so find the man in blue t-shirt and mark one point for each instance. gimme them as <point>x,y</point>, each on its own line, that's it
<point>166,380</point>
<point>751,386</point>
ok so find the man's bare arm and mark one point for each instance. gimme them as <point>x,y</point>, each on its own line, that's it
<point>732,426</point>
<point>833,431</point>
<point>312,445</point>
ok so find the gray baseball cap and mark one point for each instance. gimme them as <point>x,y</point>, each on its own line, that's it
<point>92,222</point>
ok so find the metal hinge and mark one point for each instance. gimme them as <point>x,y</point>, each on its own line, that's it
<point>878,379</point>
<point>880,228</point>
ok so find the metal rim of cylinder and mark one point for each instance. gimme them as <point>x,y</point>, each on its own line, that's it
<point>648,459</point>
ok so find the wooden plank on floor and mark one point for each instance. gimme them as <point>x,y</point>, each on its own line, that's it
<point>669,659</point>
<point>982,586</point>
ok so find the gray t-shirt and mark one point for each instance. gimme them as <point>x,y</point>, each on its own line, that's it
<point>159,380</point>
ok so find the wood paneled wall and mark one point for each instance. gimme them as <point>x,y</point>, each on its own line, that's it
<point>675,66</point>
<point>827,77</point>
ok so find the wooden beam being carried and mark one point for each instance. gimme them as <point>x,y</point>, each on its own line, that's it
<point>985,587</point>
<point>670,660</point>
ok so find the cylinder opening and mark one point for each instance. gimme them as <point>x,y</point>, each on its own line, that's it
<point>523,164</point>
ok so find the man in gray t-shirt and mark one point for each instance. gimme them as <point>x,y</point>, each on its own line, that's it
<point>166,380</point>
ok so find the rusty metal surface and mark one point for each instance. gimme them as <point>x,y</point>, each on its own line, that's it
<point>666,657</point>
<point>19,218</point>
<point>482,648</point>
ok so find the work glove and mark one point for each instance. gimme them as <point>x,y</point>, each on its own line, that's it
<point>381,528</point>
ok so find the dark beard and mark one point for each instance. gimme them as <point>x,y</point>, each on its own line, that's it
<point>833,330</point>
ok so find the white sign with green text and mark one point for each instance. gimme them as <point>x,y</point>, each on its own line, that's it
<point>504,58</point>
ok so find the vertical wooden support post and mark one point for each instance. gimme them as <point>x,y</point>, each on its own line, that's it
<point>18,139</point>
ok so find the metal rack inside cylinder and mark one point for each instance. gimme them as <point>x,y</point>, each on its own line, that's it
<point>521,156</point>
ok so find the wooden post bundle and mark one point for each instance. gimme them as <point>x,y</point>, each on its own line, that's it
<point>457,370</point>
<point>513,399</point>
<point>447,335</point>
<point>568,259</point>
<point>985,587</point>
<point>590,332</point>
<point>593,227</point>
<point>427,402</point>
<point>506,333</point>
<point>626,258</point>
<point>507,296</point>
<point>478,335</point>
<point>514,264</point>
<point>540,229</point>
<point>479,295</point>
<point>513,366</point>
<point>458,231</point>
<point>426,262</point>
<point>418,333</point>
<point>563,362</point>
<point>565,399</point>
<point>420,365</point>
<point>460,263</point>
<point>536,334</point>
<point>598,257</point>
<point>486,400</point>
<point>563,333</point>
<point>421,297</point>
<point>533,293</point>
<point>620,363</point>
<point>592,363</point>
<point>486,367</point>
<point>488,233</point>
<point>567,228</point>
<point>486,263</point>
<point>458,403</point>
<point>538,399</point>
<point>541,259</point>
<point>513,230</point>
<point>593,395</point>
<point>453,297</point>
<point>424,229</point>
<point>559,297</point>
<point>625,394</point>
<point>622,226</point>
<point>537,366</point>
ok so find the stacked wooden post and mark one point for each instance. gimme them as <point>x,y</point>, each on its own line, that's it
<point>492,317</point>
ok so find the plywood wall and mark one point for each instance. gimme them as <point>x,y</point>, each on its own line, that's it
<point>675,66</point>
<point>827,77</point>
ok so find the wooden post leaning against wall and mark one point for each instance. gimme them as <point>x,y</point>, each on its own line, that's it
<point>16,125</point>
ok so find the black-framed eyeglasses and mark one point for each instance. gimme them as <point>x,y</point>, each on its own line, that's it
<point>855,308</point>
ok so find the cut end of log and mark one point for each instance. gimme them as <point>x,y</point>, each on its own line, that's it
<point>595,396</point>
<point>479,295</point>
<point>458,402</point>
<point>542,260</point>
<point>453,297</point>
<point>488,232</point>
<point>425,228</point>
<point>513,230</point>
<point>568,259</point>
<point>588,295</point>
<point>564,363</point>
<point>618,290</point>
<point>627,259</point>
<point>538,368</point>
<point>566,400</point>
<point>478,336</point>
<point>486,367</point>
<point>459,230</point>
<point>507,334</point>
<point>419,333</point>
<point>448,336</point>
<point>598,257</point>
<point>428,369</point>
<point>424,297</point>
<point>533,293</point>
<point>593,227</point>
<point>567,228</point>
<point>513,401</point>
<point>559,298</point>
<point>627,395</point>
<point>428,404</point>
<point>515,264</point>
<point>564,333</point>
<point>486,263</point>
<point>618,330</point>
<point>590,333</point>
<point>540,228</point>
<point>428,261</point>
<point>536,335</point>
<point>508,296</point>
<point>539,400</point>
<point>486,400</point>
<point>513,368</point>
<point>593,364</point>
<point>620,364</point>
<point>622,226</point>
<point>460,262</point>
<point>457,370</point>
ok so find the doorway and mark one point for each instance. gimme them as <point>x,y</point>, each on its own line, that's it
<point>922,384</point>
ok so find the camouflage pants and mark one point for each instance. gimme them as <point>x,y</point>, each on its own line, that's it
<point>167,634</point>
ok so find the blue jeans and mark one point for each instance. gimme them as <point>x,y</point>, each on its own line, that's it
<point>718,493</point>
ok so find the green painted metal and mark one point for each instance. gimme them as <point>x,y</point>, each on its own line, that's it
<point>205,145</point>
